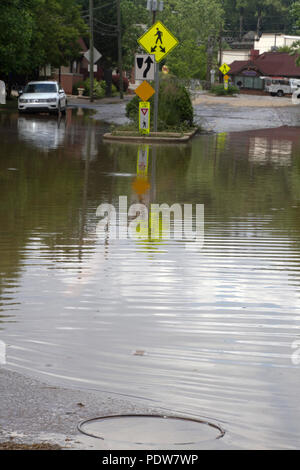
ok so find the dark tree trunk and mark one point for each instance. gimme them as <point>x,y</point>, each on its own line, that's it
<point>259,19</point>
<point>241,22</point>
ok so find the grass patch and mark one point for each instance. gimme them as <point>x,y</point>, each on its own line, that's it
<point>41,446</point>
<point>219,90</point>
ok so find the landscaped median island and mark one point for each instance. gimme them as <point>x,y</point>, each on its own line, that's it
<point>175,116</point>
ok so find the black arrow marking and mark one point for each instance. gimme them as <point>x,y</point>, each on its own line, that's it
<point>148,61</point>
<point>162,49</point>
<point>153,49</point>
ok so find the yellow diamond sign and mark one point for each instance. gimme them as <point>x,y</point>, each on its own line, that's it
<point>224,68</point>
<point>144,91</point>
<point>158,41</point>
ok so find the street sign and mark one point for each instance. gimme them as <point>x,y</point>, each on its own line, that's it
<point>95,67</point>
<point>144,67</point>
<point>144,91</point>
<point>97,55</point>
<point>226,78</point>
<point>226,85</point>
<point>158,40</point>
<point>224,69</point>
<point>144,117</point>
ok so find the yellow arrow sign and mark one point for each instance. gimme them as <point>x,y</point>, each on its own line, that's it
<point>158,41</point>
<point>224,68</point>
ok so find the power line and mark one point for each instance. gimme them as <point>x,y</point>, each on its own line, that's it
<point>105,24</point>
<point>104,33</point>
<point>101,6</point>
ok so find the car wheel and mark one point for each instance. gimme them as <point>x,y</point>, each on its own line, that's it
<point>280,93</point>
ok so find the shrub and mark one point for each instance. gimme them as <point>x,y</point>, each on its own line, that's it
<point>116,82</point>
<point>219,90</point>
<point>79,84</point>
<point>114,90</point>
<point>99,88</point>
<point>175,108</point>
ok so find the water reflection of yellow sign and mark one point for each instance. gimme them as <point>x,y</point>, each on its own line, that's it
<point>158,40</point>
<point>141,183</point>
<point>142,160</point>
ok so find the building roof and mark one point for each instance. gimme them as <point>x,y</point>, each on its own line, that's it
<point>268,63</point>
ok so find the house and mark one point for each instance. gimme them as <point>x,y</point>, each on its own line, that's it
<point>266,42</point>
<point>76,71</point>
<point>247,73</point>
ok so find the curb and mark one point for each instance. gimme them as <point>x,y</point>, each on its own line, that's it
<point>154,137</point>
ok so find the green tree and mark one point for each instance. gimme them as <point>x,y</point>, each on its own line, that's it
<point>197,25</point>
<point>133,16</point>
<point>57,27</point>
<point>16,30</point>
<point>34,33</point>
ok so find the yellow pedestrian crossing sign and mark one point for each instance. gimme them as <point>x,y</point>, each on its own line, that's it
<point>158,41</point>
<point>224,68</point>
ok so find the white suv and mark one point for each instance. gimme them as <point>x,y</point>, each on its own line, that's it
<point>42,97</point>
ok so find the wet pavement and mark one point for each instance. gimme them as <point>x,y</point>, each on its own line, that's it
<point>149,325</point>
<point>226,118</point>
<point>214,114</point>
<point>112,111</point>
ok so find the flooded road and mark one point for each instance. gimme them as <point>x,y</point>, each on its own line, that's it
<point>211,332</point>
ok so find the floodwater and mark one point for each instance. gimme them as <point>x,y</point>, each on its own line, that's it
<point>211,332</point>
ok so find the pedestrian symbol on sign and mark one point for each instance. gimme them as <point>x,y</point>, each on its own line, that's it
<point>144,119</point>
<point>158,40</point>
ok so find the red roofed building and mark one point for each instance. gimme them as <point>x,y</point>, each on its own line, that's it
<point>247,73</point>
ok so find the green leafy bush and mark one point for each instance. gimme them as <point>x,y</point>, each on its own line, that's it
<point>79,84</point>
<point>219,90</point>
<point>99,88</point>
<point>114,90</point>
<point>175,108</point>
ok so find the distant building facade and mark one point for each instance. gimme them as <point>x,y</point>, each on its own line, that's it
<point>247,73</point>
<point>266,42</point>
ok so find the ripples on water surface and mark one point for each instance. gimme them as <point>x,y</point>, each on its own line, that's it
<point>213,328</point>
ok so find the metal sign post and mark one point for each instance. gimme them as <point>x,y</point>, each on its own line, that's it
<point>155,116</point>
<point>159,41</point>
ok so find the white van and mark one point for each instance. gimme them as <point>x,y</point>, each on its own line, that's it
<point>281,86</point>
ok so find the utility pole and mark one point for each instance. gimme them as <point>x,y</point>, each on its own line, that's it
<point>153,6</point>
<point>120,64</point>
<point>91,8</point>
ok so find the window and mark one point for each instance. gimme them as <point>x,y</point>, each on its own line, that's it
<point>41,88</point>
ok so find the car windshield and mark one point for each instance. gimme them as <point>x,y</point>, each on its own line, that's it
<point>40,88</point>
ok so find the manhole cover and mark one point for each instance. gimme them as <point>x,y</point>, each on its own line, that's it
<point>151,430</point>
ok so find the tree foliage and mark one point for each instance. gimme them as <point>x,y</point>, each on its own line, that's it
<point>34,33</point>
<point>16,30</point>
<point>197,25</point>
